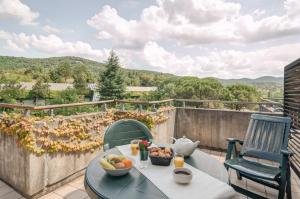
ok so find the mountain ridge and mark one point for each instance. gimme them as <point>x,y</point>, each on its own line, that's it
<point>13,62</point>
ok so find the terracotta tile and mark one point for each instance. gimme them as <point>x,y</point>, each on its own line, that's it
<point>5,190</point>
<point>240,196</point>
<point>64,190</point>
<point>271,193</point>
<point>12,195</point>
<point>2,183</point>
<point>205,151</point>
<point>295,188</point>
<point>77,194</point>
<point>78,183</point>
<point>256,188</point>
<point>51,196</point>
<point>295,195</point>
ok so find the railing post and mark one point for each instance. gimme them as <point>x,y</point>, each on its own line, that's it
<point>154,109</point>
<point>170,103</point>
<point>51,112</point>
<point>140,107</point>
<point>122,107</point>
<point>183,103</point>
<point>104,107</point>
<point>260,108</point>
<point>26,112</point>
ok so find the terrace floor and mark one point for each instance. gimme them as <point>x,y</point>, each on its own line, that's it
<point>75,189</point>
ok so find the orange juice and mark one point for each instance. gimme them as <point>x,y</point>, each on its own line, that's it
<point>134,149</point>
<point>178,161</point>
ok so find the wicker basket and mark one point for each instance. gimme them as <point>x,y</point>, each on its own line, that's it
<point>162,161</point>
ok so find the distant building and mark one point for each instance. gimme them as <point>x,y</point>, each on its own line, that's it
<point>93,87</point>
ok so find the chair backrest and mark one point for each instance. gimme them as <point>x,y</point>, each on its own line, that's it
<point>266,136</point>
<point>123,131</point>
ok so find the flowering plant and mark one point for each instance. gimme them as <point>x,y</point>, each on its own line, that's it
<point>144,144</point>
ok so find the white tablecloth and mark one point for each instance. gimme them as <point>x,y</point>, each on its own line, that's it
<point>202,185</point>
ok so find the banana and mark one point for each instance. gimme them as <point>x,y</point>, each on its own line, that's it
<point>122,157</point>
<point>109,157</point>
<point>106,165</point>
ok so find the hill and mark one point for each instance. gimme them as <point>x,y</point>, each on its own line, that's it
<point>264,80</point>
<point>16,67</point>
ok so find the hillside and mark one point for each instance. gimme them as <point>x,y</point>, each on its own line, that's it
<point>16,66</point>
<point>264,80</point>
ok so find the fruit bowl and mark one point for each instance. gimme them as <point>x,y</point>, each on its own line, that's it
<point>116,165</point>
<point>117,172</point>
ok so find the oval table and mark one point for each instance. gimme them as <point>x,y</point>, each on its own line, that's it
<point>135,185</point>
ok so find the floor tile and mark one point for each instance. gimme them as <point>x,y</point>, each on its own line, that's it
<point>12,195</point>
<point>64,190</point>
<point>77,194</point>
<point>51,196</point>
<point>5,190</point>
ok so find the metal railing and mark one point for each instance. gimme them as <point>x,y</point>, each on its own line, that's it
<point>28,109</point>
<point>141,104</point>
<point>263,106</point>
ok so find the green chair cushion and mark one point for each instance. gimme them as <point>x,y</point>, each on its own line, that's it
<point>256,169</point>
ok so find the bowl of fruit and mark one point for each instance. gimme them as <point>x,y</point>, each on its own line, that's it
<point>116,165</point>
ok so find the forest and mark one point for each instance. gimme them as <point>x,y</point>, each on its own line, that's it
<point>81,71</point>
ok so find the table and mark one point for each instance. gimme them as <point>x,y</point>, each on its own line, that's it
<point>135,185</point>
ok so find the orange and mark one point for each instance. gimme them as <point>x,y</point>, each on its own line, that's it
<point>128,163</point>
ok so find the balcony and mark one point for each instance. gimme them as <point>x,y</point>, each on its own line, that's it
<point>57,178</point>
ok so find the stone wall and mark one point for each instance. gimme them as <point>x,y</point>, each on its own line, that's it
<point>34,176</point>
<point>212,126</point>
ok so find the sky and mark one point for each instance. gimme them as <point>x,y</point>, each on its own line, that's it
<point>215,38</point>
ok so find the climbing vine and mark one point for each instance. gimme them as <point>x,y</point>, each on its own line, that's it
<point>68,134</point>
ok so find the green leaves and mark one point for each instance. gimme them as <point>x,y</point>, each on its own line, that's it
<point>111,83</point>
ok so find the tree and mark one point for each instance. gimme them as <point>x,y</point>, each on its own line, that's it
<point>11,90</point>
<point>81,78</point>
<point>66,96</point>
<point>40,90</point>
<point>61,73</point>
<point>111,84</point>
<point>65,71</point>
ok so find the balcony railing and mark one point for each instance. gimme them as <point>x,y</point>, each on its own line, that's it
<point>264,106</point>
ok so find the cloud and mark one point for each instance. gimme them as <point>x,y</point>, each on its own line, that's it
<point>18,10</point>
<point>216,63</point>
<point>51,44</point>
<point>50,29</point>
<point>194,22</point>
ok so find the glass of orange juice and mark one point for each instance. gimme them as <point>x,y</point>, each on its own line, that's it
<point>134,145</point>
<point>178,161</point>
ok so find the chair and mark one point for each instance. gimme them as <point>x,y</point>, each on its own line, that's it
<point>123,131</point>
<point>266,138</point>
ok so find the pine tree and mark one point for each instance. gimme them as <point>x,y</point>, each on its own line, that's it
<point>111,84</point>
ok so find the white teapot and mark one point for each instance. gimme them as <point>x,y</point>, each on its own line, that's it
<point>185,146</point>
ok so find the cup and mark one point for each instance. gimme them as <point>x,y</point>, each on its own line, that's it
<point>134,146</point>
<point>143,158</point>
<point>178,161</point>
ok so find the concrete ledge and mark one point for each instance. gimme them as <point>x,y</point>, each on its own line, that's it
<point>212,126</point>
<point>34,176</point>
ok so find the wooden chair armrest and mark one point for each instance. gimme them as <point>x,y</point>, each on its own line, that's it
<point>287,152</point>
<point>232,149</point>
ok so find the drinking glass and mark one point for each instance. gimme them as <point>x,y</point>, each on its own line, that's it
<point>178,161</point>
<point>143,158</point>
<point>134,145</point>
